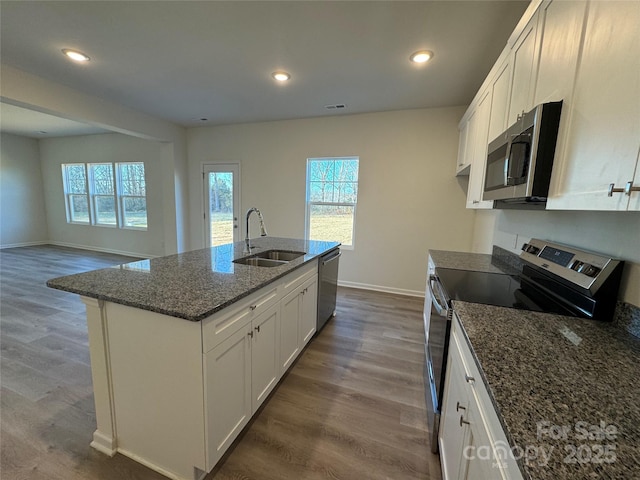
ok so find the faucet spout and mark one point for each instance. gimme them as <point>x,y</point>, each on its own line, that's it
<point>263,230</point>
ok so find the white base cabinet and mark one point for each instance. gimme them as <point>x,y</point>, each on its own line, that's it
<point>472,443</point>
<point>174,394</point>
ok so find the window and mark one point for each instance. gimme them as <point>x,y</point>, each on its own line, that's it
<point>74,176</point>
<point>106,194</point>
<point>132,195</point>
<point>102,188</point>
<point>332,194</point>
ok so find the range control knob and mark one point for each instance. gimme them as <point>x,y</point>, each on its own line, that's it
<point>589,270</point>
<point>530,249</point>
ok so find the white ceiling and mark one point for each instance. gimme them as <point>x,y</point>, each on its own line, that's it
<point>183,61</point>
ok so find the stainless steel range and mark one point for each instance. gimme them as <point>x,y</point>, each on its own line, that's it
<point>555,278</point>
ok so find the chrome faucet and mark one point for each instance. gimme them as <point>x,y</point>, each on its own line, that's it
<point>263,230</point>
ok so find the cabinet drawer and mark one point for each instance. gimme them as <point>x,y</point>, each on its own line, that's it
<point>298,277</point>
<point>221,325</point>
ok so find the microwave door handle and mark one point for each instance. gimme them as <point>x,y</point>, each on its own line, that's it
<point>507,164</point>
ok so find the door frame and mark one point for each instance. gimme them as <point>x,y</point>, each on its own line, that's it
<point>213,167</point>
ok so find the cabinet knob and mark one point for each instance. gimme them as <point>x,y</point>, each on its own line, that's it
<point>469,379</point>
<point>476,201</point>
<point>253,307</point>
<point>250,334</point>
<point>257,328</point>
<point>459,407</point>
<point>463,421</point>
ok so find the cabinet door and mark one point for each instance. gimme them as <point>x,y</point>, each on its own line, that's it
<point>480,142</point>
<point>500,101</point>
<point>454,434</point>
<point>228,392</point>
<point>478,456</point>
<point>309,311</point>
<point>289,333</point>
<point>602,141</point>
<point>265,355</point>
<point>523,61</point>
<point>463,158</point>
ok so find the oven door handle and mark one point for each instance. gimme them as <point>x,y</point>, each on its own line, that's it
<point>442,310</point>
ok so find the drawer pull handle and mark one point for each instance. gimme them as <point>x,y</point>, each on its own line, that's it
<point>257,328</point>
<point>469,379</point>
<point>250,334</point>
<point>463,421</point>
<point>253,307</point>
<point>459,407</point>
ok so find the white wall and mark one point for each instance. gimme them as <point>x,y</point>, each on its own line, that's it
<point>95,149</point>
<point>30,91</point>
<point>408,201</point>
<point>613,233</point>
<point>22,213</point>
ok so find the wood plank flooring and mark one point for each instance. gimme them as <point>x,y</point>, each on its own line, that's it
<point>352,407</point>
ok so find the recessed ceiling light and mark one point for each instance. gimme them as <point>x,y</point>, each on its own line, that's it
<point>281,76</point>
<point>422,56</point>
<point>75,55</point>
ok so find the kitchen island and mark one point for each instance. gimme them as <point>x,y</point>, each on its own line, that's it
<point>185,348</point>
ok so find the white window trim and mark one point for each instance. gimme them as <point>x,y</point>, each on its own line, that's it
<point>91,196</point>
<point>309,204</point>
<point>120,198</point>
<point>67,195</point>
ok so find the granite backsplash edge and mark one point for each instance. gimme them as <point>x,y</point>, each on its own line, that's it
<point>626,316</point>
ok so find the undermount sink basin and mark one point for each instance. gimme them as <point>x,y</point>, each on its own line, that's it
<point>270,258</point>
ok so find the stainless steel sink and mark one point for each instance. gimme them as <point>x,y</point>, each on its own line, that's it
<point>270,258</point>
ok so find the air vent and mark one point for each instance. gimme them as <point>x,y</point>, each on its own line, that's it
<point>336,106</point>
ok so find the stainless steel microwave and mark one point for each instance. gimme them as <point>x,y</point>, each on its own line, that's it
<point>519,161</point>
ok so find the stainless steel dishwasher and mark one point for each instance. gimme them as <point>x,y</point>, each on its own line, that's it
<point>327,286</point>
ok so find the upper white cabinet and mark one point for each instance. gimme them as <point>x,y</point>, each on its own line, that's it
<point>479,141</point>
<point>464,159</point>
<point>523,62</point>
<point>603,138</point>
<point>584,53</point>
<point>500,99</point>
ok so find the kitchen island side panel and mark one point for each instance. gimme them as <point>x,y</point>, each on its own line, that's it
<point>156,372</point>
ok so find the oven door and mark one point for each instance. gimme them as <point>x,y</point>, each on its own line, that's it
<point>437,332</point>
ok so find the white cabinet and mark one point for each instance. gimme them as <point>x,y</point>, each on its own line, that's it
<point>265,355</point>
<point>299,316</point>
<point>523,61</point>
<point>500,100</point>
<point>227,392</point>
<point>602,142</point>
<point>464,159</point>
<point>479,141</point>
<point>309,310</point>
<point>472,441</point>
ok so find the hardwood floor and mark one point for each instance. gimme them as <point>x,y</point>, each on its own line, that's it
<point>351,407</point>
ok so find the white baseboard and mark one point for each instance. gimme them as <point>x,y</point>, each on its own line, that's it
<point>100,249</point>
<point>23,244</point>
<point>379,288</point>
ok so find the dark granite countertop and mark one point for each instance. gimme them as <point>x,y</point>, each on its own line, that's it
<point>478,262</point>
<point>190,285</point>
<point>563,384</point>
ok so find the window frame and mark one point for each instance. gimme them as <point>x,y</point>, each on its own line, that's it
<point>309,203</point>
<point>91,195</point>
<point>121,197</point>
<point>68,195</point>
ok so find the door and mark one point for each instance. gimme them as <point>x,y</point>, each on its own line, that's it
<point>309,311</point>
<point>222,203</point>
<point>228,392</point>
<point>289,323</point>
<point>265,354</point>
